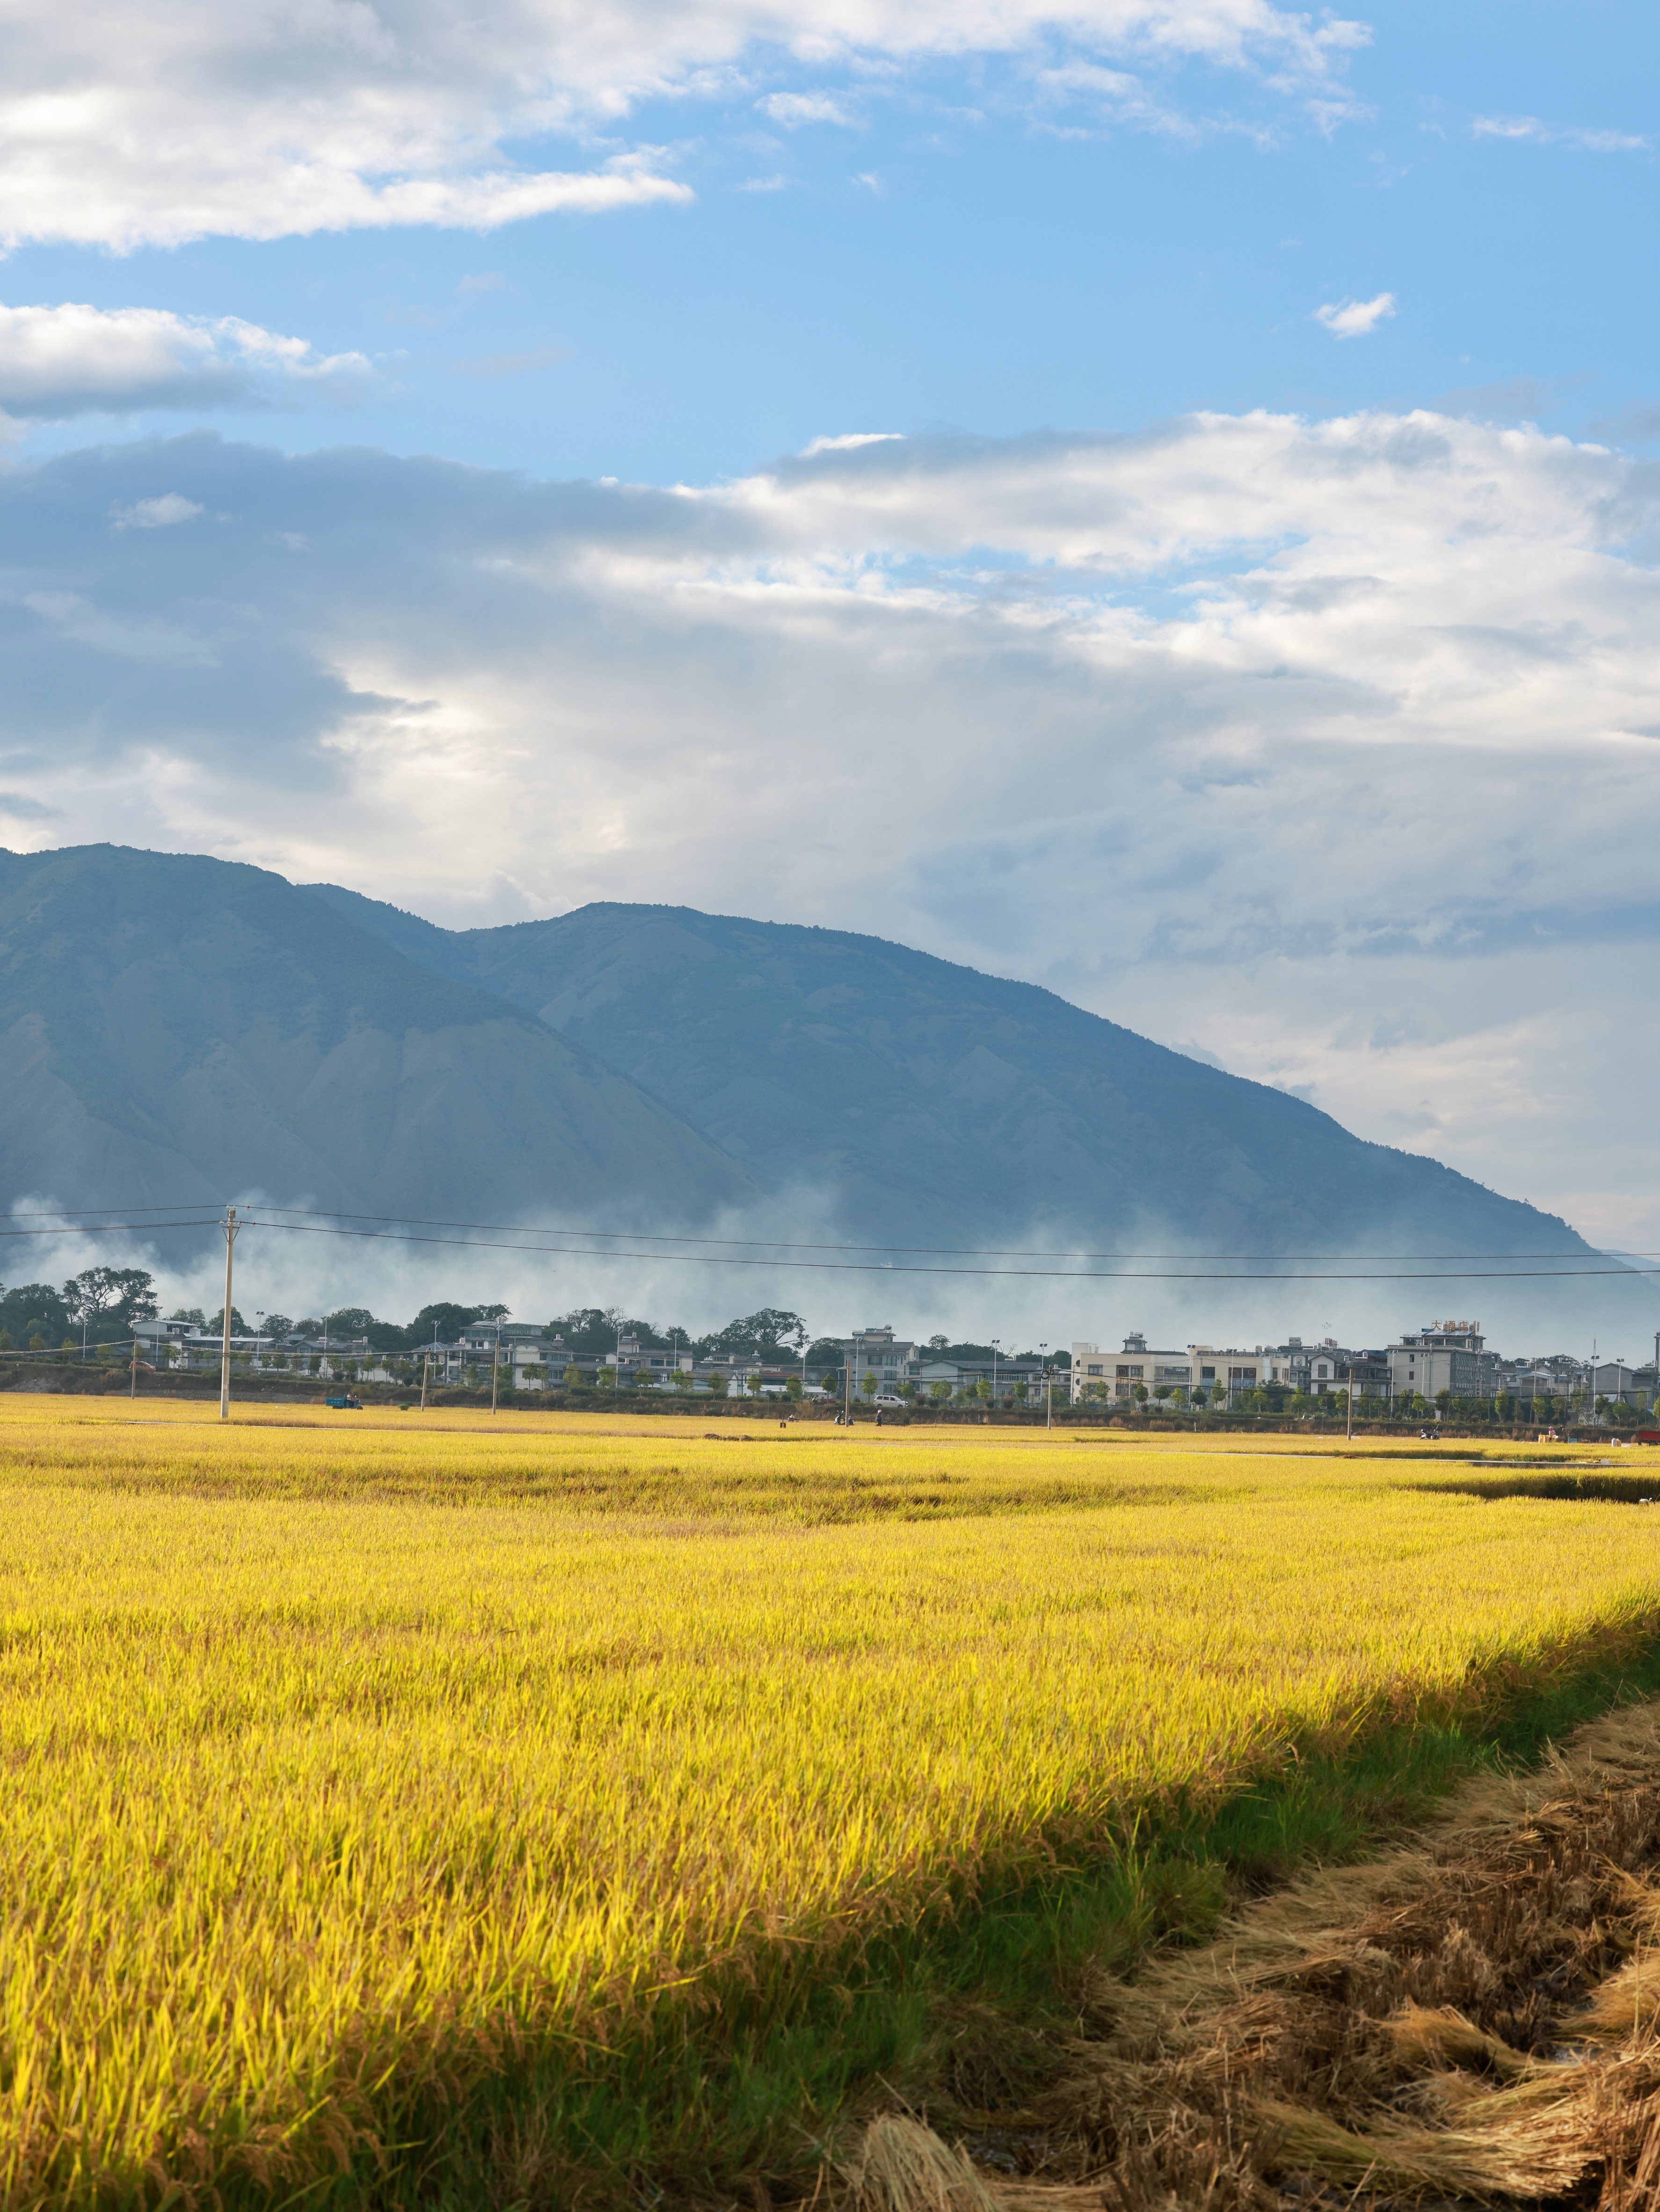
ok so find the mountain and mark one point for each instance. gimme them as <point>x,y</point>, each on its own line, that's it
<point>923,1103</point>
<point>175,1029</point>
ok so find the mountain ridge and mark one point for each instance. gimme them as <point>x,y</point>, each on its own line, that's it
<point>178,1027</point>
<point>932,1097</point>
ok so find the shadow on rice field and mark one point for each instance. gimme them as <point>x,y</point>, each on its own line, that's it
<point>774,2086</point>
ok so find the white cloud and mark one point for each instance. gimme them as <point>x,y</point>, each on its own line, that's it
<point>160,513</point>
<point>1123,98</point>
<point>120,127</point>
<point>1356,319</point>
<point>1337,738</point>
<point>1531,128</point>
<point>59,362</point>
<point>793,109</point>
<point>849,443</point>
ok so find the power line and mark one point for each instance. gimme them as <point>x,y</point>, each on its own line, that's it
<point>897,1268</point>
<point>309,1214</point>
<point>1276,1272</point>
<point>119,1228</point>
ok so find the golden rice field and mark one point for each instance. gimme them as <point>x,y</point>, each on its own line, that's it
<point>354,1763</point>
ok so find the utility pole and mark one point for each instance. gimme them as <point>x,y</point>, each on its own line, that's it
<point>495,1361</point>
<point>847,1405</point>
<point>426,1369</point>
<point>133,1393</point>
<point>1349,1432</point>
<point>231,1226</point>
<point>997,1341</point>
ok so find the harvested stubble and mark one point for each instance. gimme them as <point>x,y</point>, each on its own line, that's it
<point>1473,2020</point>
<point>327,1803</point>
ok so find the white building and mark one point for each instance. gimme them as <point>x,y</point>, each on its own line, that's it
<point>1218,1371</point>
<point>1448,1355</point>
<point>892,1360</point>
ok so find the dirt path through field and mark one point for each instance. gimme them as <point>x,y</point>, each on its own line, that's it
<point>1473,2020</point>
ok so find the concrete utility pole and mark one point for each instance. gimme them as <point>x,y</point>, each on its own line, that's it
<point>495,1361</point>
<point>847,1406</point>
<point>231,1226</point>
<point>426,1369</point>
<point>1349,1432</point>
<point>133,1393</point>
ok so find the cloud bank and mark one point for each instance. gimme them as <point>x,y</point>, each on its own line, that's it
<point>1328,747</point>
<point>183,119</point>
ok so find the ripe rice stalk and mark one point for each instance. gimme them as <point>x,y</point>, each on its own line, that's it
<point>901,2165</point>
<point>1542,2155</point>
<point>351,1773</point>
<point>1440,2035</point>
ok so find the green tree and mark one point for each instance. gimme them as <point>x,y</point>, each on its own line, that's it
<point>830,1380</point>
<point>792,1388</point>
<point>32,1306</point>
<point>605,1379</point>
<point>573,1377</point>
<point>717,1385</point>
<point>5,1339</point>
<point>105,1299</point>
<point>769,1334</point>
<point>684,1384</point>
<point>868,1386</point>
<point>940,1391</point>
<point>1022,1392</point>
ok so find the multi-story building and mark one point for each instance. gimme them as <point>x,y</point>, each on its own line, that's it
<point>1325,1369</point>
<point>1447,1355</point>
<point>1617,1378</point>
<point>892,1360</point>
<point>1095,1373</point>
<point>1000,1375</point>
<point>644,1363</point>
<point>1220,1371</point>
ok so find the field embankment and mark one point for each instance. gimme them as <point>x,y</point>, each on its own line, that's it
<point>512,1814</point>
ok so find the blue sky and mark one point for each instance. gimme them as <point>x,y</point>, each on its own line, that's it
<point>438,458</point>
<point>994,241</point>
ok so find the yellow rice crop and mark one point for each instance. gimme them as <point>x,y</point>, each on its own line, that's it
<point>343,1762</point>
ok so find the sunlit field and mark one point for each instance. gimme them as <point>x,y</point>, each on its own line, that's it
<point>354,1763</point>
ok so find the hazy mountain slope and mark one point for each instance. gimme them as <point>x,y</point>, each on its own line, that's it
<point>175,1028</point>
<point>938,1104</point>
